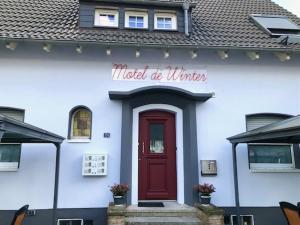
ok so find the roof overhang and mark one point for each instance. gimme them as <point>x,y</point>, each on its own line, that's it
<point>123,95</point>
<point>286,131</point>
<point>14,131</point>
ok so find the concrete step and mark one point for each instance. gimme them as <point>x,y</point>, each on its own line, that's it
<point>175,211</point>
<point>162,221</point>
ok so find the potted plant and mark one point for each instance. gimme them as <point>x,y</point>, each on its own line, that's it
<point>205,191</point>
<point>119,191</point>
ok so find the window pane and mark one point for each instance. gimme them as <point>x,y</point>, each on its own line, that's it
<point>107,20</point>
<point>10,153</point>
<point>168,26</point>
<point>275,154</point>
<point>160,25</point>
<point>156,138</point>
<point>132,24</point>
<point>82,123</point>
<point>168,20</point>
<point>140,25</point>
<point>132,18</point>
<point>140,19</point>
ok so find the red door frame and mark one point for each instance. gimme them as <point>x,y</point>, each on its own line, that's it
<point>157,179</point>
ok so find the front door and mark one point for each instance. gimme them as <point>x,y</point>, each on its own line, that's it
<point>157,156</point>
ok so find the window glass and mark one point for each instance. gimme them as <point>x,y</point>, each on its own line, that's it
<point>275,154</point>
<point>156,138</point>
<point>106,18</point>
<point>81,124</point>
<point>165,21</point>
<point>10,152</point>
<point>136,21</point>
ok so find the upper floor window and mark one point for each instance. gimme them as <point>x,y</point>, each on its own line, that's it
<point>269,156</point>
<point>136,19</point>
<point>10,154</point>
<point>81,123</point>
<point>165,21</point>
<point>106,18</point>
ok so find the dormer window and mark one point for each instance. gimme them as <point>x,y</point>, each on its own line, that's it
<point>165,21</point>
<point>107,17</point>
<point>136,19</point>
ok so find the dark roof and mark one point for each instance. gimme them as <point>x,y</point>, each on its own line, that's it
<point>15,131</point>
<point>285,131</point>
<point>121,95</point>
<point>216,24</point>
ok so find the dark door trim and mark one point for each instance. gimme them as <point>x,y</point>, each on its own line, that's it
<point>190,158</point>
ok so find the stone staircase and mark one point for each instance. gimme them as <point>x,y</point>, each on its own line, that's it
<point>171,214</point>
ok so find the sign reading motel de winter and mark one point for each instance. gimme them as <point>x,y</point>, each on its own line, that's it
<point>166,73</point>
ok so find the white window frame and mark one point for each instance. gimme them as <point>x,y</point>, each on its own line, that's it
<point>143,14</point>
<point>273,166</point>
<point>170,15</point>
<point>10,166</point>
<point>113,12</point>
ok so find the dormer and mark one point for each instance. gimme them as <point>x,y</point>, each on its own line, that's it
<point>146,15</point>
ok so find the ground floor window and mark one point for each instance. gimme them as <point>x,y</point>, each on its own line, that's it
<point>271,156</point>
<point>268,156</point>
<point>10,154</point>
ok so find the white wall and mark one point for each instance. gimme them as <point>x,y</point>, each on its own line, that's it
<point>49,85</point>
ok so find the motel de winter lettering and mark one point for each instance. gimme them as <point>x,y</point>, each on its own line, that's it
<point>168,73</point>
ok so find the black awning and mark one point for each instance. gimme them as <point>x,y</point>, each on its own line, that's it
<point>14,131</point>
<point>285,131</point>
<point>122,95</point>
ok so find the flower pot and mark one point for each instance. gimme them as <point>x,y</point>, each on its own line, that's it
<point>205,200</point>
<point>119,200</point>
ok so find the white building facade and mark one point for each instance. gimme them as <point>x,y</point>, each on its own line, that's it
<point>221,93</point>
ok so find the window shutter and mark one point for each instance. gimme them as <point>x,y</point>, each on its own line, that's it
<point>254,122</point>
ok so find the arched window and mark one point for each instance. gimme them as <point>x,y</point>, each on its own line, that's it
<point>81,123</point>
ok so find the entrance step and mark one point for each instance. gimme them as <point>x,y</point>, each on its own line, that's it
<point>174,220</point>
<point>179,211</point>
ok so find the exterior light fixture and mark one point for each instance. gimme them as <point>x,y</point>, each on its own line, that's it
<point>166,54</point>
<point>193,54</point>
<point>47,47</point>
<point>108,51</point>
<point>283,56</point>
<point>223,54</point>
<point>253,55</point>
<point>79,49</point>
<point>11,45</point>
<point>137,53</point>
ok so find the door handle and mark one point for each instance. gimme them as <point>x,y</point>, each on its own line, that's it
<point>143,148</point>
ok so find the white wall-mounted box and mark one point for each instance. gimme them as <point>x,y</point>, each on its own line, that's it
<point>245,219</point>
<point>94,164</point>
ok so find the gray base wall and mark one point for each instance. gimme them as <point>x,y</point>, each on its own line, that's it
<point>44,216</point>
<point>262,215</point>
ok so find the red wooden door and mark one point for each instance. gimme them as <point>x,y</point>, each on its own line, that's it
<point>157,156</point>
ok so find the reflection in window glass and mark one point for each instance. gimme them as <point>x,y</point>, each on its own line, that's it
<point>275,154</point>
<point>156,138</point>
<point>10,152</point>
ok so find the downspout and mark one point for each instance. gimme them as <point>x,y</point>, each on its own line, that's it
<point>186,7</point>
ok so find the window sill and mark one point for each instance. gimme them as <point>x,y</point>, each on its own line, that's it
<point>9,166</point>
<point>275,170</point>
<point>79,140</point>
